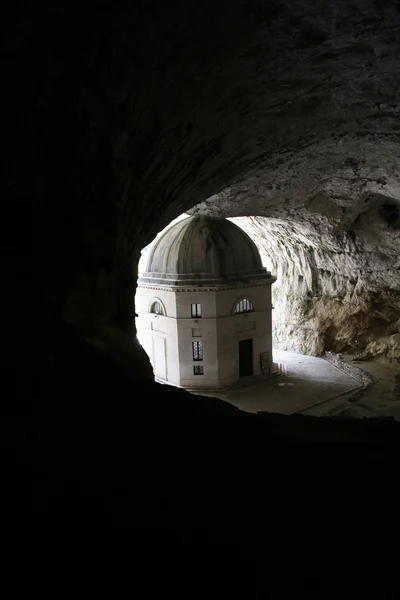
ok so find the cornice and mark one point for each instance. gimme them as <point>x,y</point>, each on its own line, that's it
<point>199,289</point>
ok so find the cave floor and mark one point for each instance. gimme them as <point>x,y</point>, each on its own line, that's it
<point>313,386</point>
<point>382,396</point>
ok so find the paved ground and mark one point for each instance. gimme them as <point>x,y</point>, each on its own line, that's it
<point>306,381</point>
<point>380,399</point>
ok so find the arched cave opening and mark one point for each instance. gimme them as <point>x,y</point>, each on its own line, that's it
<point>321,303</point>
<point>334,292</point>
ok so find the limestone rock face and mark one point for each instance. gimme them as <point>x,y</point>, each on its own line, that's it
<point>330,230</point>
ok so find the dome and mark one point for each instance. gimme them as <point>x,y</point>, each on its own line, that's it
<point>202,251</point>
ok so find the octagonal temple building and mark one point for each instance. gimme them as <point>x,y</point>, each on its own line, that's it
<point>204,305</point>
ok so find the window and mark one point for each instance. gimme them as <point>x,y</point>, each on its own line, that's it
<point>197,349</point>
<point>243,306</point>
<point>196,310</point>
<point>157,308</point>
<point>198,370</point>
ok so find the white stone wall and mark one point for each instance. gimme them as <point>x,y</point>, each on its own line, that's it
<point>206,299</point>
<point>218,328</point>
<point>208,328</point>
<point>234,327</point>
<point>151,328</point>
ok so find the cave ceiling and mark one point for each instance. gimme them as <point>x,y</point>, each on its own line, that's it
<point>334,181</point>
<point>265,105</point>
<point>131,113</point>
<point>300,119</point>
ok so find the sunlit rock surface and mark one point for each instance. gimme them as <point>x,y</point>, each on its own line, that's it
<point>328,225</point>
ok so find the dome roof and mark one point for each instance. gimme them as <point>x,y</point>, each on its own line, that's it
<point>203,251</point>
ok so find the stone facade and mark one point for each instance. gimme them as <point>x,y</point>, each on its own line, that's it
<point>219,331</point>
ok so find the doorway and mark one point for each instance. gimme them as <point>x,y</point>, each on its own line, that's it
<point>245,358</point>
<point>159,357</point>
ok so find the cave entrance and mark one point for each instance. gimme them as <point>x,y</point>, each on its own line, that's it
<point>188,356</point>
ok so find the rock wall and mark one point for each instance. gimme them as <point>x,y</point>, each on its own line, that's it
<point>117,117</point>
<point>121,118</point>
<point>338,293</point>
<point>328,217</point>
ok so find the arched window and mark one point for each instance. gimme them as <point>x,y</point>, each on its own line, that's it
<point>243,306</point>
<point>157,308</point>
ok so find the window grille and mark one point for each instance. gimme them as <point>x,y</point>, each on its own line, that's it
<point>197,349</point>
<point>157,308</point>
<point>243,306</point>
<point>197,370</point>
